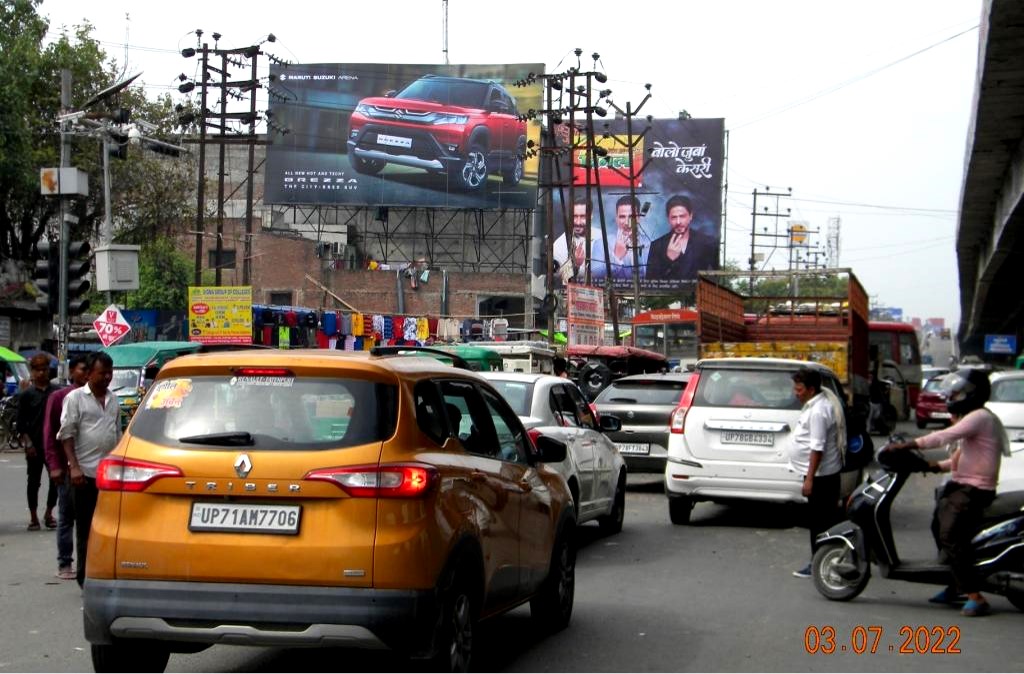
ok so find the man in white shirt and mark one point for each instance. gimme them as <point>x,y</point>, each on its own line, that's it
<point>620,250</point>
<point>571,260</point>
<point>815,454</point>
<point>90,427</point>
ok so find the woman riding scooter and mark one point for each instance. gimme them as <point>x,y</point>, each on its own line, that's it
<point>981,441</point>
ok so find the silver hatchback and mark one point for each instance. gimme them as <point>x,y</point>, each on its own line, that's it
<point>644,403</point>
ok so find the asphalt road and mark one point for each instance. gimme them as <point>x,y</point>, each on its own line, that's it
<point>717,595</point>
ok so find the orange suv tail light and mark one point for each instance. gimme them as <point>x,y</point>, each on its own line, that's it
<point>119,474</point>
<point>677,422</point>
<point>409,480</point>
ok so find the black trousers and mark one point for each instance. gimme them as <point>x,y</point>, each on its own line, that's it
<point>823,505</point>
<point>36,468</point>
<point>956,521</point>
<point>84,501</point>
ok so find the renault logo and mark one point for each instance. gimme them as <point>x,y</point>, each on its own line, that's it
<point>243,465</point>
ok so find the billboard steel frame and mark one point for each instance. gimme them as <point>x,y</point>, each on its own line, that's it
<point>473,240</point>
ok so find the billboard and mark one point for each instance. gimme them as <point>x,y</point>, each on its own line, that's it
<point>220,315</point>
<point>451,136</point>
<point>678,164</point>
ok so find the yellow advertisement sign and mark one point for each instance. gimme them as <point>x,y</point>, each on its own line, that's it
<point>220,315</point>
<point>833,355</point>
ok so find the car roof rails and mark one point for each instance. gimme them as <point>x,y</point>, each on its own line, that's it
<point>457,361</point>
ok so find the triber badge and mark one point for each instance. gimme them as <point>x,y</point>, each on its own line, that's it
<point>243,464</point>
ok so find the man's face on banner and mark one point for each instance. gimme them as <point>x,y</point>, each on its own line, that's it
<point>579,219</point>
<point>622,214</point>
<point>679,219</point>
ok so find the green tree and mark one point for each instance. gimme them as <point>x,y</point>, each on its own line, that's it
<point>29,138</point>
<point>164,277</point>
<point>149,193</point>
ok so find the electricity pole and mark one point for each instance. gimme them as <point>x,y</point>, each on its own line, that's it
<point>774,236</point>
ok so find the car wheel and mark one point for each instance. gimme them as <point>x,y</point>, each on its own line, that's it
<point>1017,599</point>
<point>679,509</point>
<point>457,622</point>
<point>513,175</point>
<point>612,522</point>
<point>551,608</point>
<point>369,167</point>
<point>594,377</point>
<point>921,424</point>
<point>129,656</point>
<point>471,173</point>
<point>831,570</point>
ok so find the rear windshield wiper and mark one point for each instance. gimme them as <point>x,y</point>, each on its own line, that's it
<point>227,439</point>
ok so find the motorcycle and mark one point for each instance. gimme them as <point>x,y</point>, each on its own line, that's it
<point>841,567</point>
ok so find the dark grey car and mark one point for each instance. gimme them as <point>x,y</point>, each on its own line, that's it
<point>644,403</point>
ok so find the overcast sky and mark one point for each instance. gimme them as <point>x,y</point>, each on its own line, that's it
<point>861,108</point>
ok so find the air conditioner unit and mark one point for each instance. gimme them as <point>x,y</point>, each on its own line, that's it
<point>338,249</point>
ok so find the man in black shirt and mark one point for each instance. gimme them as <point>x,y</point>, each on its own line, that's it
<point>31,415</point>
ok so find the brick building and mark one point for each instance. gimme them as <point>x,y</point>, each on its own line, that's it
<point>313,255</point>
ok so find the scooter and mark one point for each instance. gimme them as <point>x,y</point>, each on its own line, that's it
<point>841,567</point>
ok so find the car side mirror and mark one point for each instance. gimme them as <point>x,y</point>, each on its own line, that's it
<point>610,423</point>
<point>550,450</point>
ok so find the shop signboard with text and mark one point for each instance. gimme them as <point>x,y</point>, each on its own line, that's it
<point>220,315</point>
<point>585,315</point>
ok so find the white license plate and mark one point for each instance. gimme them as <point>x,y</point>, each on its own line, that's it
<point>747,438</point>
<point>633,448</point>
<point>258,518</point>
<point>941,415</point>
<point>394,141</point>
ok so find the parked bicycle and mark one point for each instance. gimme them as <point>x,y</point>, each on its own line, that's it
<point>9,436</point>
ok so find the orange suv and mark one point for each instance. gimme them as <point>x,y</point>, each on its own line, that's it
<point>317,498</point>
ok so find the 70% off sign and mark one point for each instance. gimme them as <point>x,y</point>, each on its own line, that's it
<point>111,326</point>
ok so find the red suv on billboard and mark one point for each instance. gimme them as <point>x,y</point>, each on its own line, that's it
<point>465,128</point>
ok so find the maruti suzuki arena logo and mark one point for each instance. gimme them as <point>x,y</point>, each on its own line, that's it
<point>243,464</point>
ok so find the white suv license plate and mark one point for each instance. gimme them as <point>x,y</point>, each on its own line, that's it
<point>394,141</point>
<point>747,438</point>
<point>245,518</point>
<point>633,448</point>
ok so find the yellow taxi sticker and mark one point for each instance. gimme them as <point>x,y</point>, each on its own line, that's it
<point>169,394</point>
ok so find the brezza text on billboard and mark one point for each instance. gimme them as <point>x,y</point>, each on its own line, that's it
<point>451,136</point>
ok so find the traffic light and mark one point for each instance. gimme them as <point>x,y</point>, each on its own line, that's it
<point>79,264</point>
<point>46,276</point>
<point>118,145</point>
<point>161,147</point>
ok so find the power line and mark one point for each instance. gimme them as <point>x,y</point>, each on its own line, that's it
<point>842,85</point>
<point>946,211</point>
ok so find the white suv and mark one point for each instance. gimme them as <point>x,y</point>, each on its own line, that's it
<point>730,434</point>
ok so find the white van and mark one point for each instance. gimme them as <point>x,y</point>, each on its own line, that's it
<point>730,435</point>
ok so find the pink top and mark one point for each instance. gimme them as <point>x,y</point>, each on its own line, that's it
<point>982,439</point>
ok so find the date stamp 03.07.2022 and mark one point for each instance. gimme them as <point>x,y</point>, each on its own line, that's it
<point>871,639</point>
